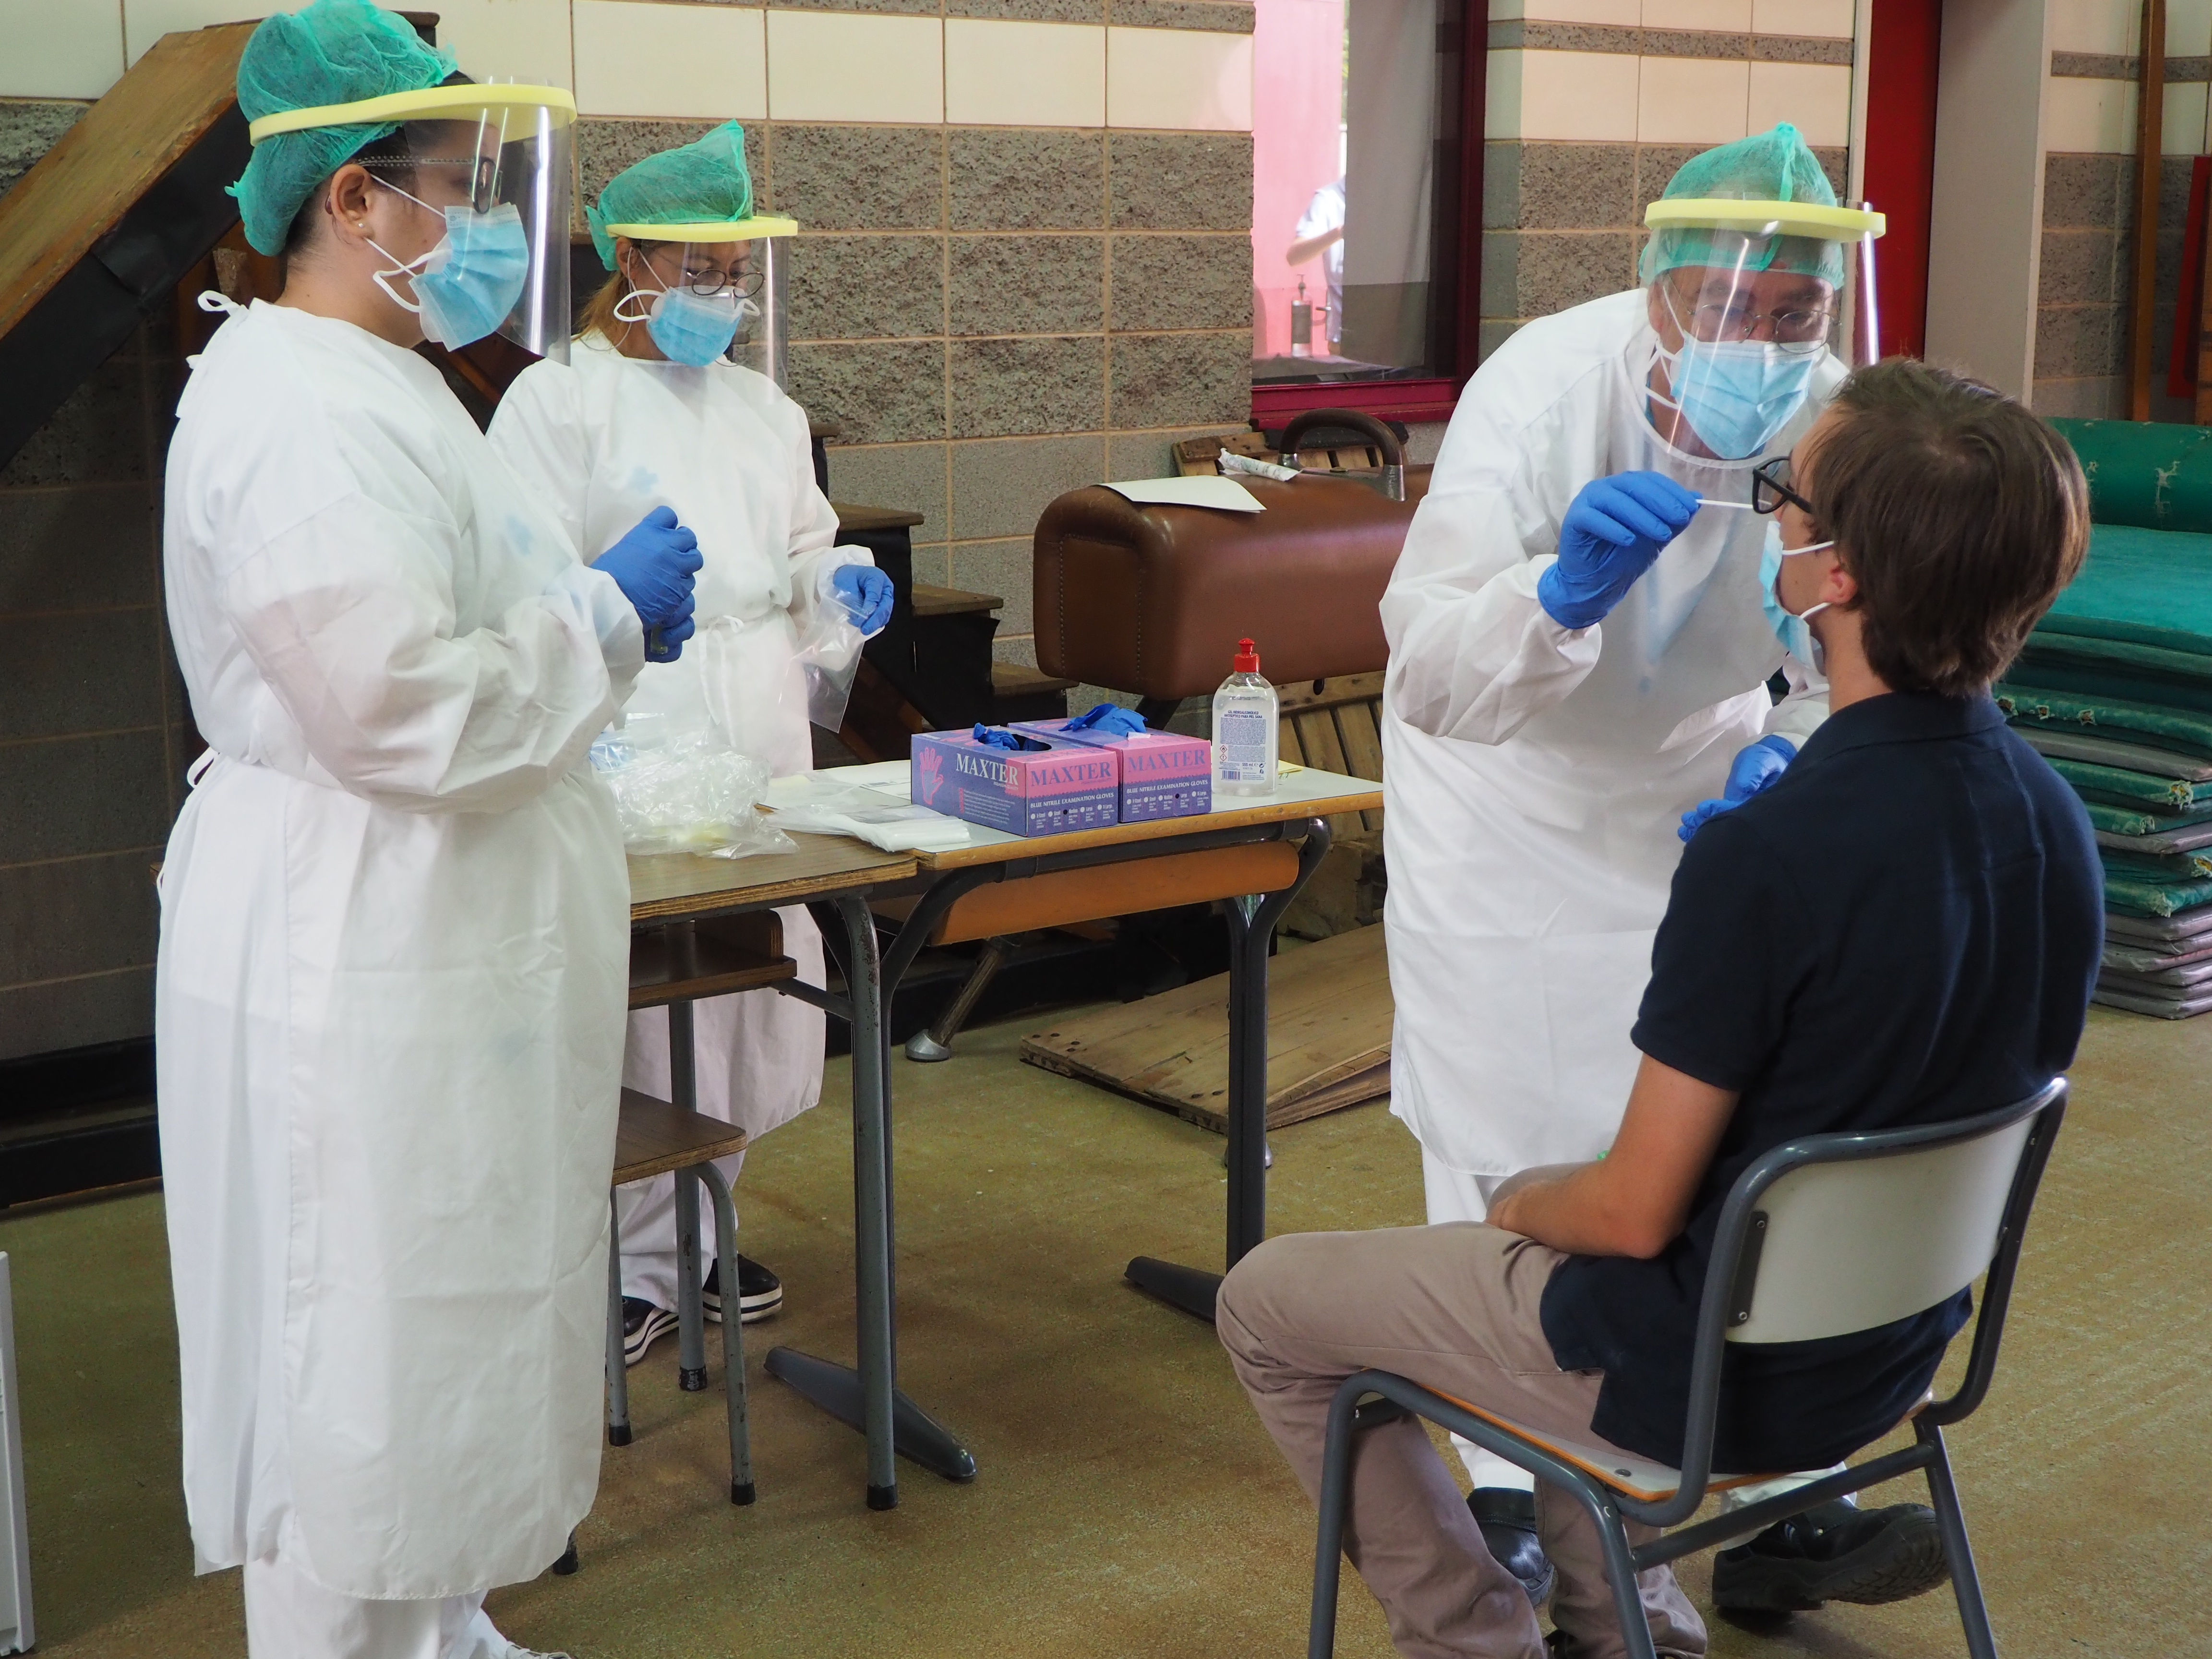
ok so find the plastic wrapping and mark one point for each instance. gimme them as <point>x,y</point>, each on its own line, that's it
<point>686,791</point>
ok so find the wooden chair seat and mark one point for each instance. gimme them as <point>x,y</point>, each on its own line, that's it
<point>1644,1479</point>
<point>652,1137</point>
<point>727,953</point>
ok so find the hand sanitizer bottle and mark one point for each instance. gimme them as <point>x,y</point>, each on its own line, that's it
<point>1246,718</point>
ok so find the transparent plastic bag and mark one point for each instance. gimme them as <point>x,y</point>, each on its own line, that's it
<point>829,660</point>
<point>750,677</point>
<point>686,792</point>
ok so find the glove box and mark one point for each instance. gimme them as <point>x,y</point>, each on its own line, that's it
<point>1153,599</point>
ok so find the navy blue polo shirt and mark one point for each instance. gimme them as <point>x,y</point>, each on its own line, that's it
<point>1905,929</point>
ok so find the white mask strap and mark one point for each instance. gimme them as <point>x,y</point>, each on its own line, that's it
<point>1792,553</point>
<point>639,294</point>
<point>400,267</point>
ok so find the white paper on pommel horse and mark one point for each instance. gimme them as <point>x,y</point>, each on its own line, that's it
<point>1224,493</point>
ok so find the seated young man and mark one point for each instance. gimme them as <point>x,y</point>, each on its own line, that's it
<point>1904,929</point>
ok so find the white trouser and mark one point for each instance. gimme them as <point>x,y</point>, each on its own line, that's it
<point>759,1063</point>
<point>1453,1196</point>
<point>289,1616</point>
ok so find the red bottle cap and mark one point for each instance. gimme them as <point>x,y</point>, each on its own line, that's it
<point>1247,657</point>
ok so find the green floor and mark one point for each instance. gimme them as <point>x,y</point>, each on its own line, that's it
<point>1128,1502</point>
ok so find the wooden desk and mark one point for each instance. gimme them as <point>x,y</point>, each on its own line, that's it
<point>1257,854</point>
<point>670,894</point>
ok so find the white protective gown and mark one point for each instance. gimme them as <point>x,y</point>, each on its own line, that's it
<point>1534,775</point>
<point>603,440</point>
<point>392,969</point>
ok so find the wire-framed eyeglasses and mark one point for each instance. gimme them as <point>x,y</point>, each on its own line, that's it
<point>742,278</point>
<point>1796,329</point>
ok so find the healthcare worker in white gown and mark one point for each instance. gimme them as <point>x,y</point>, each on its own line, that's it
<point>649,412</point>
<point>1579,658</point>
<point>394,913</point>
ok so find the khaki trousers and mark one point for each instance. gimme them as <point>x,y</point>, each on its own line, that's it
<point>1453,1308</point>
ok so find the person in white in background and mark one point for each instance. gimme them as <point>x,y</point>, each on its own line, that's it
<point>1578,669</point>
<point>395,919</point>
<point>1321,230</point>
<point>648,413</point>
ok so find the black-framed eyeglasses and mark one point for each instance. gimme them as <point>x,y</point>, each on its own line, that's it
<point>1769,489</point>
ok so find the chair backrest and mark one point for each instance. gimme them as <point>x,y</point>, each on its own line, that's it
<point>1852,1231</point>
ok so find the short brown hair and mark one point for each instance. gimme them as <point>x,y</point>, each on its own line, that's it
<point>1958,514</point>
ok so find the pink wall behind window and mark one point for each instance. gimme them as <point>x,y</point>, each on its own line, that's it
<point>1297,89</point>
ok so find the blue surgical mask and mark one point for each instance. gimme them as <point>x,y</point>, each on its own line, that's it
<point>466,285</point>
<point>1789,627</point>
<point>1737,394</point>
<point>690,328</point>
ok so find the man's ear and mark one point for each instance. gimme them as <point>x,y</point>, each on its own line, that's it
<point>1839,588</point>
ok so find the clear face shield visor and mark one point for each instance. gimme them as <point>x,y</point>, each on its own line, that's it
<point>712,293</point>
<point>493,163</point>
<point>1747,298</point>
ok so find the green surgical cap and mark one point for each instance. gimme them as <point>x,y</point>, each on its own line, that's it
<point>703,182</point>
<point>335,51</point>
<point>1767,167</point>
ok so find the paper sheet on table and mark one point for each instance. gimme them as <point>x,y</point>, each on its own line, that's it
<point>1224,493</point>
<point>877,816</point>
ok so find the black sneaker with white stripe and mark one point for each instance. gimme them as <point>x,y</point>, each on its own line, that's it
<point>643,1325</point>
<point>760,1292</point>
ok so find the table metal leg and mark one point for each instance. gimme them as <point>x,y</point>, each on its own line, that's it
<point>683,1089</point>
<point>617,1361</point>
<point>1251,925</point>
<point>868,1398</point>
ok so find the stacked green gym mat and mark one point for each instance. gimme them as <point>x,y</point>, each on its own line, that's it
<point>2115,690</point>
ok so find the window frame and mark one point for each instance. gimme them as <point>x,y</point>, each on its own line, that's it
<point>1464,36</point>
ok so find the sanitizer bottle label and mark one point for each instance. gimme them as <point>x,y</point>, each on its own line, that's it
<point>1243,746</point>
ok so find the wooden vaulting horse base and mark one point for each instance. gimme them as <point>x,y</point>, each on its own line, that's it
<point>1328,1038</point>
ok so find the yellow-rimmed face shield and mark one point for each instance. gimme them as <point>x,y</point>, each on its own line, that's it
<point>1746,298</point>
<point>489,168</point>
<point>1734,270</point>
<point>711,292</point>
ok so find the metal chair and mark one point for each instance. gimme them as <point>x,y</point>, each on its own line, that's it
<point>1820,1237</point>
<point>655,1138</point>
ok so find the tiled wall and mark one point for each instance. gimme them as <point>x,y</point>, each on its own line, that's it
<point>1592,103</point>
<point>1025,266</point>
<point>2087,273</point>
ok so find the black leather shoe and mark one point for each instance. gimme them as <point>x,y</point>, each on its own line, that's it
<point>1508,1519</point>
<point>760,1292</point>
<point>1833,1552</point>
<point>643,1325</point>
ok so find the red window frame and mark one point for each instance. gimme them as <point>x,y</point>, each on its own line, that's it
<point>1432,398</point>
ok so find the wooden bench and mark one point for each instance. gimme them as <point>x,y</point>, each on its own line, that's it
<point>1336,725</point>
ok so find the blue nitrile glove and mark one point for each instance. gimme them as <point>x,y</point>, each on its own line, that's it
<point>1613,532</point>
<point>866,593</point>
<point>1756,766</point>
<point>997,736</point>
<point>654,565</point>
<point>666,642</point>
<point>1109,718</point>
